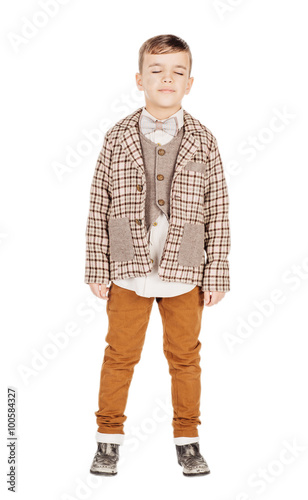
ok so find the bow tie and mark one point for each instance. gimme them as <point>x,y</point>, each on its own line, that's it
<point>148,125</point>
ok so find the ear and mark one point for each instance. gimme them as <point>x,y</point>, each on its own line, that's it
<point>138,77</point>
<point>189,84</point>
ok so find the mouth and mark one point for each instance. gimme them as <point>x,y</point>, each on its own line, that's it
<point>166,91</point>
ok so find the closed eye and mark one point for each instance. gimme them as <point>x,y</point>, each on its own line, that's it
<point>160,72</point>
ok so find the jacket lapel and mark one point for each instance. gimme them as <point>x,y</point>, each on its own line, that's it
<point>189,143</point>
<point>132,146</point>
<point>131,139</point>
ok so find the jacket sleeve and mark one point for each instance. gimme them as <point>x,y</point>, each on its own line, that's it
<point>217,241</point>
<point>97,237</point>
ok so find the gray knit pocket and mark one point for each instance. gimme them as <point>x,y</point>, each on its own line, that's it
<point>195,166</point>
<point>192,245</point>
<point>120,239</point>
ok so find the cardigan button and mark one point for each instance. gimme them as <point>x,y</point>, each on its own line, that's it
<point>161,202</point>
<point>138,221</point>
<point>160,177</point>
<point>161,152</point>
<point>139,187</point>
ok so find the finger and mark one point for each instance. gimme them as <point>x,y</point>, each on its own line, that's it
<point>207,298</point>
<point>101,293</point>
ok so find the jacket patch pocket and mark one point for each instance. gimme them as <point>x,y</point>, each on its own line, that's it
<point>120,239</point>
<point>195,166</point>
<point>192,245</point>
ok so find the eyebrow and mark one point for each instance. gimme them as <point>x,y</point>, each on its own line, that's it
<point>176,66</point>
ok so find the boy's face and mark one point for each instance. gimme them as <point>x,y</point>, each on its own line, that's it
<point>164,71</point>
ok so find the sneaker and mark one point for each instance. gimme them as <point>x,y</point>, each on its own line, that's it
<point>192,461</point>
<point>105,459</point>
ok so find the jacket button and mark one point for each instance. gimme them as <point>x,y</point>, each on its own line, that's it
<point>160,177</point>
<point>152,261</point>
<point>139,187</point>
<point>161,152</point>
<point>161,202</point>
<point>138,221</point>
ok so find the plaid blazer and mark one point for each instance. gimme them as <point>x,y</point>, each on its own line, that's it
<point>116,236</point>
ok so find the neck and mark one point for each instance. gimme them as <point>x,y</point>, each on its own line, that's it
<point>162,113</point>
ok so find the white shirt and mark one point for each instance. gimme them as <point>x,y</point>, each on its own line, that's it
<point>152,285</point>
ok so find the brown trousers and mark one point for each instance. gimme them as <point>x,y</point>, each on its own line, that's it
<point>129,315</point>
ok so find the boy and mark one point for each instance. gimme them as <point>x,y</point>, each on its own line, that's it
<point>158,203</point>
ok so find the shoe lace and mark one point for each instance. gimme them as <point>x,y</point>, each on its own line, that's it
<point>106,453</point>
<point>192,456</point>
<point>194,460</point>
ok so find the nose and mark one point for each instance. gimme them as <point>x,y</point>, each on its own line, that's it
<point>167,78</point>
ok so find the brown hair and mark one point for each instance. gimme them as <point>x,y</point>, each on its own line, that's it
<point>163,44</point>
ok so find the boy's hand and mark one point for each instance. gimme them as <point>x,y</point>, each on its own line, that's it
<point>100,290</point>
<point>212,298</point>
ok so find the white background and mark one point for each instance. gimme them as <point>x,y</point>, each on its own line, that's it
<point>70,77</point>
